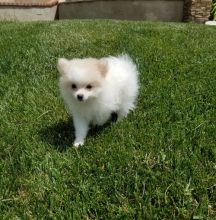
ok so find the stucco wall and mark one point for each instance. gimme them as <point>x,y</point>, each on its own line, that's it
<point>154,10</point>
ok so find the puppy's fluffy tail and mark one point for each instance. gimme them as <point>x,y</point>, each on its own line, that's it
<point>130,74</point>
<point>128,62</point>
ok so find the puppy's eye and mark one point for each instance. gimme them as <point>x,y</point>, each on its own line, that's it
<point>89,86</point>
<point>73,86</point>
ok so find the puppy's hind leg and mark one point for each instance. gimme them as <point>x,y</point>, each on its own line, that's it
<point>124,110</point>
<point>114,117</point>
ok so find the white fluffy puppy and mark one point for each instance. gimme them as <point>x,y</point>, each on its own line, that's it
<point>94,89</point>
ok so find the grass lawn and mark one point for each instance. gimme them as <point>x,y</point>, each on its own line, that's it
<point>159,163</point>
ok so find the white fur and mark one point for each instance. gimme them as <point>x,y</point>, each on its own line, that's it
<point>115,89</point>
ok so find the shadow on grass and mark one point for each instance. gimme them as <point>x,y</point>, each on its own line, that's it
<point>61,135</point>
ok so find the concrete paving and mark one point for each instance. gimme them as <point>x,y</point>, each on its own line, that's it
<point>210,23</point>
<point>28,10</point>
<point>27,13</point>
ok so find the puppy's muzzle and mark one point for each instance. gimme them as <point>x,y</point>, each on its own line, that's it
<point>80,97</point>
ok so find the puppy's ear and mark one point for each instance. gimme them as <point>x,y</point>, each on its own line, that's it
<point>62,65</point>
<point>103,66</point>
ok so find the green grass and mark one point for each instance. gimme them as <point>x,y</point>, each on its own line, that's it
<point>158,163</point>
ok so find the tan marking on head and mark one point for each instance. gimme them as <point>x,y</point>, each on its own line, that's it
<point>95,65</point>
<point>103,66</point>
<point>62,65</point>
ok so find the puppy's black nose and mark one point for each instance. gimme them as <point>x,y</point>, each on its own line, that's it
<point>80,97</point>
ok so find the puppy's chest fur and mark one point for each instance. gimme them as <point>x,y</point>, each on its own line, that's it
<point>95,113</point>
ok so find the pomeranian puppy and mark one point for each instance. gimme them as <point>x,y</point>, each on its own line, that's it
<point>94,90</point>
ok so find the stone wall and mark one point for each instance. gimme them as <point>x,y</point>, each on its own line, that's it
<point>197,10</point>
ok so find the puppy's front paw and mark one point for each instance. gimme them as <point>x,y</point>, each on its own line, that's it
<point>78,143</point>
